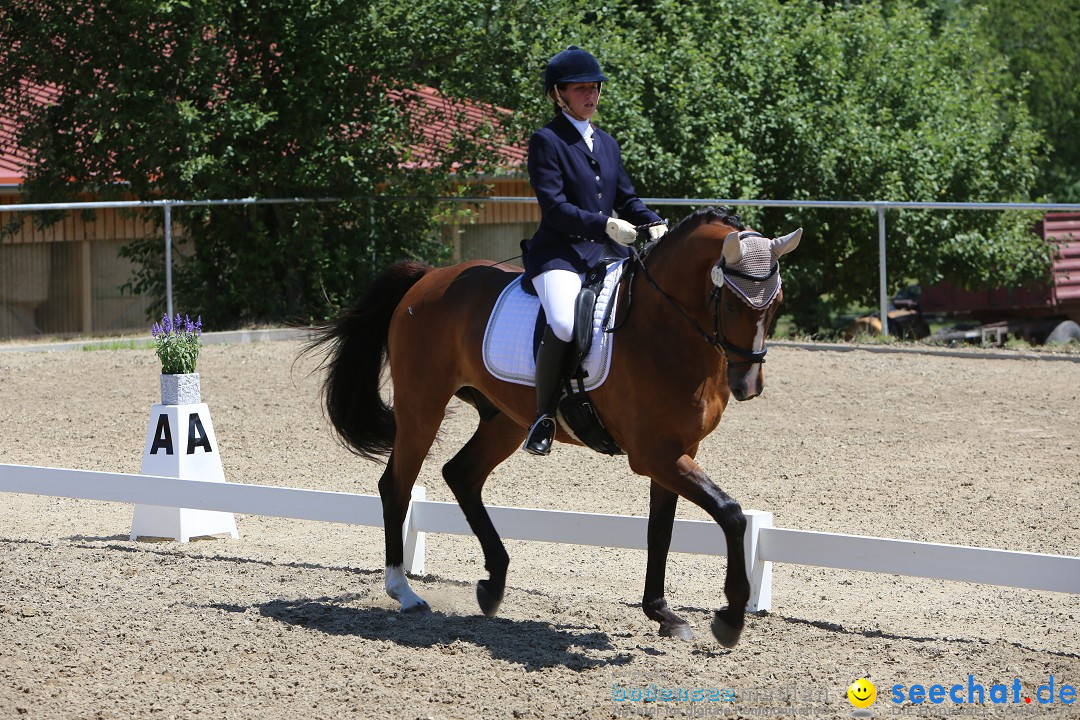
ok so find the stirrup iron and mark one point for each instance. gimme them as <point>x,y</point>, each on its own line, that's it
<point>541,436</point>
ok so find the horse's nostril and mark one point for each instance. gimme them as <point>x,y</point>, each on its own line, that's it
<point>743,390</point>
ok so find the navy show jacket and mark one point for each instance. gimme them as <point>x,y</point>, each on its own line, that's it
<point>578,190</point>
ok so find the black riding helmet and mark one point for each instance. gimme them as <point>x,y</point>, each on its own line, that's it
<point>570,66</point>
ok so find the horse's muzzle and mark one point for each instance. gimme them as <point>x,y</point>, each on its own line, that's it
<point>745,381</point>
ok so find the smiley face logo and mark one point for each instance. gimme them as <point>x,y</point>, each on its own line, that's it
<point>862,693</point>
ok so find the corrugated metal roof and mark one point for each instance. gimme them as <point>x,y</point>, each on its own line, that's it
<point>1063,229</point>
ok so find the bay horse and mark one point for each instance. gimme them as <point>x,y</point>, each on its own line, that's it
<point>685,342</point>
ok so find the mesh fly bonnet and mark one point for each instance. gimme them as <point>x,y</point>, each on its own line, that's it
<point>755,275</point>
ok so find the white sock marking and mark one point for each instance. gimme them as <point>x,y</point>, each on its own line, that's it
<point>397,587</point>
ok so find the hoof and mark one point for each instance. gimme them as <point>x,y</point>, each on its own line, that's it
<point>724,630</point>
<point>489,601</point>
<point>421,609</point>
<point>682,631</point>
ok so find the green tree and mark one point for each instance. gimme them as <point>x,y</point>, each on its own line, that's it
<point>282,98</point>
<point>790,99</point>
<point>1042,44</point>
<point>1037,41</point>
<point>721,98</point>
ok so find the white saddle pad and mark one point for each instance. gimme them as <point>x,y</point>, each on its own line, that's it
<point>508,339</point>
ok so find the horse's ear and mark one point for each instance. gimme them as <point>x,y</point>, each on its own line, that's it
<point>732,248</point>
<point>787,243</point>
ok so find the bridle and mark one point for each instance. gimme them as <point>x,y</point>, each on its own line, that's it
<point>716,339</point>
<point>719,273</point>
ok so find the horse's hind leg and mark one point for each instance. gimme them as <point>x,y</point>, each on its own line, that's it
<point>662,504</point>
<point>415,433</point>
<point>494,440</point>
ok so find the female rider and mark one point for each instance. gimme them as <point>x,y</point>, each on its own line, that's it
<point>586,200</point>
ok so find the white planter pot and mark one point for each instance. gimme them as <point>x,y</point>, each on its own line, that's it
<point>180,389</point>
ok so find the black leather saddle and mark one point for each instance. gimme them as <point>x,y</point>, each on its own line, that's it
<point>575,407</point>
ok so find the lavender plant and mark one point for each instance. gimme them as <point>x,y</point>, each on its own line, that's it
<point>178,343</point>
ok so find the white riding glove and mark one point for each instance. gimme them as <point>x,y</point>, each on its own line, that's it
<point>621,231</point>
<point>657,231</point>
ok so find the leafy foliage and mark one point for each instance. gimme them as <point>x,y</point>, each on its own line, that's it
<point>1039,41</point>
<point>215,99</point>
<point>725,98</point>
<point>767,99</point>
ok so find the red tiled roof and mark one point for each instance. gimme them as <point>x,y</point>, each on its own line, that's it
<point>13,159</point>
<point>440,118</point>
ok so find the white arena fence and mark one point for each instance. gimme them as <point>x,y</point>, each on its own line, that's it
<point>764,544</point>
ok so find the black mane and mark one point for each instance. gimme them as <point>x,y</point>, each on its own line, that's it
<point>695,220</point>
<point>707,215</point>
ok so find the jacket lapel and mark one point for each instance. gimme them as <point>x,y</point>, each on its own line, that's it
<point>571,136</point>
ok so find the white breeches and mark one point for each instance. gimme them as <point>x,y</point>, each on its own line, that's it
<point>558,291</point>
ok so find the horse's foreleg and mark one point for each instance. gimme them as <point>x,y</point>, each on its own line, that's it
<point>728,622</point>
<point>662,504</point>
<point>494,441</point>
<point>395,501</point>
<point>686,478</point>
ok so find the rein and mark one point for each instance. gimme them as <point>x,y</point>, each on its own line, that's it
<point>716,340</point>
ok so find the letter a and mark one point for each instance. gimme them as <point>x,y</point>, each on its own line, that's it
<point>162,436</point>
<point>197,435</point>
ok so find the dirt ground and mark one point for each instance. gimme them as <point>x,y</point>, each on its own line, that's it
<point>291,620</point>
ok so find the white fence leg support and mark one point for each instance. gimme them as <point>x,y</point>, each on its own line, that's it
<point>758,570</point>
<point>414,539</point>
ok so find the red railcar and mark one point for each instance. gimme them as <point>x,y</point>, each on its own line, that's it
<point>1044,313</point>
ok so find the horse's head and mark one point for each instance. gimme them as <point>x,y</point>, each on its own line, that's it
<point>747,295</point>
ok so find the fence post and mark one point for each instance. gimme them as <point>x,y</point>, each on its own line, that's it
<point>759,571</point>
<point>413,539</point>
<point>883,284</point>
<point>168,259</point>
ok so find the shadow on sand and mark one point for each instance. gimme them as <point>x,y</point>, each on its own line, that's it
<point>532,644</point>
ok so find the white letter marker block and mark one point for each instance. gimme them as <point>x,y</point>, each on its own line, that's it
<point>180,443</point>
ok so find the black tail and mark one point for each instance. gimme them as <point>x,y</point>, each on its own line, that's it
<point>355,355</point>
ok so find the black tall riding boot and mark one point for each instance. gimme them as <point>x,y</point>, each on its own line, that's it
<point>550,367</point>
